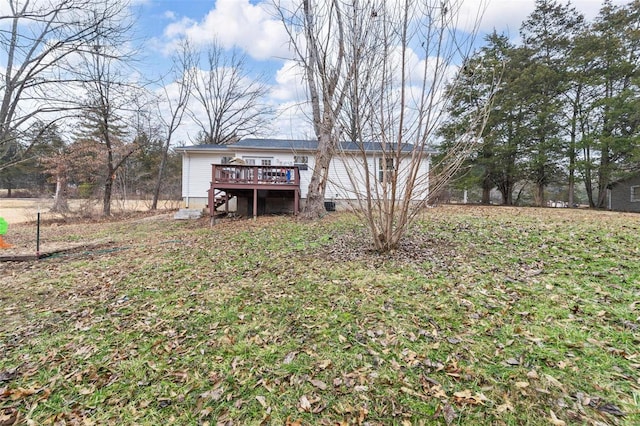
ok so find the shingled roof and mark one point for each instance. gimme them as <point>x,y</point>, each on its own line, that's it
<point>289,145</point>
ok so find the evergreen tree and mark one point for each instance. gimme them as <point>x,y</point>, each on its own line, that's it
<point>547,35</point>
<point>496,162</point>
<point>616,81</point>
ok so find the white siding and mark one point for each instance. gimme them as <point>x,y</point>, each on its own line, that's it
<point>343,173</point>
<point>196,173</point>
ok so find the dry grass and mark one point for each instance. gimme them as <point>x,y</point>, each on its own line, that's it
<point>21,210</point>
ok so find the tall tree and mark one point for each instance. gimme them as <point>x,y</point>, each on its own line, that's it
<point>493,70</point>
<point>547,34</point>
<point>319,38</point>
<point>51,150</point>
<point>182,72</point>
<point>617,71</point>
<point>108,97</point>
<point>39,39</point>
<point>230,102</point>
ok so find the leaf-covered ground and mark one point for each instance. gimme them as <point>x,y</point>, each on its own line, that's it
<point>483,316</point>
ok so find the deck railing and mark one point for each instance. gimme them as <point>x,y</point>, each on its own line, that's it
<point>255,175</point>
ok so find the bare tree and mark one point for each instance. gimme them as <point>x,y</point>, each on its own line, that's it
<point>326,38</point>
<point>399,109</point>
<point>39,39</point>
<point>109,100</point>
<point>183,75</point>
<point>230,101</point>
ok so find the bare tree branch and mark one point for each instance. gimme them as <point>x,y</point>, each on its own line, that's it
<point>231,100</point>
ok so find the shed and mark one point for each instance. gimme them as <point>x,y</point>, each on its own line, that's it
<point>624,194</point>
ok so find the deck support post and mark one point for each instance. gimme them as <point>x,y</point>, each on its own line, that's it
<point>255,203</point>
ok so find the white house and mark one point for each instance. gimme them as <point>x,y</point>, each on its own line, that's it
<point>272,175</point>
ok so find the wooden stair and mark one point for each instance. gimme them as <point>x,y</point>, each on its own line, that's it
<point>220,199</point>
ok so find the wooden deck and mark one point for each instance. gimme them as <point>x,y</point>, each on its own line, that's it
<point>230,180</point>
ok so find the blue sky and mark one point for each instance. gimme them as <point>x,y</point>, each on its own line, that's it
<point>248,26</point>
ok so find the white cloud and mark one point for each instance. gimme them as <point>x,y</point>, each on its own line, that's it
<point>507,15</point>
<point>288,96</point>
<point>171,15</point>
<point>289,83</point>
<point>236,23</point>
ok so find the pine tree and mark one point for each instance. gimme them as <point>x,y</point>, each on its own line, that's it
<point>547,34</point>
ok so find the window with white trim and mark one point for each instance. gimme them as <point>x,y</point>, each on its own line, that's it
<point>635,193</point>
<point>385,169</point>
<point>266,162</point>
<point>302,161</point>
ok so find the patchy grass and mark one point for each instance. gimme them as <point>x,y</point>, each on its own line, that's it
<point>484,316</point>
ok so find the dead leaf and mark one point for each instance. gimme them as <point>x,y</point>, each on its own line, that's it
<point>289,357</point>
<point>556,421</point>
<point>297,422</point>
<point>87,391</point>
<point>522,385</point>
<point>504,407</point>
<point>303,404</point>
<point>362,414</point>
<point>533,374</point>
<point>262,400</point>
<point>512,361</point>
<point>323,365</point>
<point>449,413</point>
<point>206,411</point>
<point>8,375</point>
<point>467,397</point>
<point>611,409</point>
<point>554,381</point>
<point>319,384</point>
<point>9,416</point>
<point>20,393</point>
<point>214,394</point>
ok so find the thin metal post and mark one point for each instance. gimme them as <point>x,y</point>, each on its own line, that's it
<point>38,237</point>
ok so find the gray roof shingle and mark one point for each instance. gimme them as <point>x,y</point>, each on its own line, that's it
<point>290,145</point>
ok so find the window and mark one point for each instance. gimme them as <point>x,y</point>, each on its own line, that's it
<point>302,161</point>
<point>385,169</point>
<point>226,160</point>
<point>635,193</point>
<point>266,162</point>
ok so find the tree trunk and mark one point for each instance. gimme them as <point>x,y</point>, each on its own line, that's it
<point>60,203</point>
<point>314,207</point>
<point>486,195</point>
<point>603,178</point>
<point>106,201</point>
<point>509,195</point>
<point>163,165</point>
<point>486,190</point>
<point>539,195</point>
<point>588,183</point>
